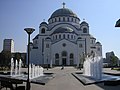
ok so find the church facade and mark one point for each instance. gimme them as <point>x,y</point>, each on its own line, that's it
<point>63,40</point>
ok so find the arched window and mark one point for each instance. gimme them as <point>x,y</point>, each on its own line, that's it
<point>59,36</point>
<point>57,56</point>
<point>43,30</point>
<point>68,19</point>
<point>56,59</point>
<point>84,30</point>
<point>68,36</point>
<point>63,36</point>
<point>59,19</point>
<point>71,36</point>
<point>71,55</point>
<point>56,36</point>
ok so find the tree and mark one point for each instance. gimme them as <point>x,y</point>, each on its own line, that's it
<point>5,58</point>
<point>113,60</point>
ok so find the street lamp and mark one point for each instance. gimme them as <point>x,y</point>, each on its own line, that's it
<point>29,31</point>
<point>117,23</point>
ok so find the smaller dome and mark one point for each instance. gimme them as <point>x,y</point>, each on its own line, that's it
<point>84,22</point>
<point>43,23</point>
<point>63,30</point>
<point>98,43</point>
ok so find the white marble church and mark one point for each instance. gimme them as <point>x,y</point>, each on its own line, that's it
<point>63,40</point>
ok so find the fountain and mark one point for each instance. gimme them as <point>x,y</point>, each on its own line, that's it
<point>12,67</point>
<point>92,72</point>
<point>93,67</point>
<point>35,71</point>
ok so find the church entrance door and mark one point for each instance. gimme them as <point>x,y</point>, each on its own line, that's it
<point>64,61</point>
<point>64,58</point>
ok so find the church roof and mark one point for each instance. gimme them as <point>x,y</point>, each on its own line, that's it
<point>98,43</point>
<point>84,22</point>
<point>36,37</point>
<point>64,30</point>
<point>63,12</point>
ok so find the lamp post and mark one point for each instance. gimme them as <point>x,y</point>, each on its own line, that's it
<point>117,25</point>
<point>29,31</point>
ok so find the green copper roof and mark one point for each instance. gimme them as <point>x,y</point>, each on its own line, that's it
<point>63,12</point>
<point>63,30</point>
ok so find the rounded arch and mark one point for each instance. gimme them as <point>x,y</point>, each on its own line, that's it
<point>64,54</point>
<point>43,30</point>
<point>71,59</point>
<point>56,59</point>
<point>57,56</point>
<point>71,55</point>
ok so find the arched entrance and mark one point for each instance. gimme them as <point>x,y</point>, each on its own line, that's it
<point>64,58</point>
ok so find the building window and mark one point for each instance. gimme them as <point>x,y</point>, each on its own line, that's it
<point>43,30</point>
<point>68,19</point>
<point>56,59</point>
<point>56,36</point>
<point>59,36</point>
<point>68,36</point>
<point>59,19</point>
<point>84,30</point>
<point>57,56</point>
<point>71,56</point>
<point>98,49</point>
<point>80,45</point>
<point>63,36</point>
<point>64,44</point>
<point>47,45</point>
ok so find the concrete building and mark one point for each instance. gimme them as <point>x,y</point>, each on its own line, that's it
<point>8,45</point>
<point>63,40</point>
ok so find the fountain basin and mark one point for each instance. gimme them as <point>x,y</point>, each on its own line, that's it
<point>42,80</point>
<point>106,79</point>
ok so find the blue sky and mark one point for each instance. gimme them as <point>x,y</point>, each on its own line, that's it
<point>101,15</point>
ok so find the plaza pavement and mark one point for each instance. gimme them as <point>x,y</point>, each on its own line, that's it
<point>65,81</point>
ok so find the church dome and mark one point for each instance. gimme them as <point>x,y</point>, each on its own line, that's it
<point>63,12</point>
<point>63,30</point>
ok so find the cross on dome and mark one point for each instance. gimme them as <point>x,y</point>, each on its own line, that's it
<point>63,5</point>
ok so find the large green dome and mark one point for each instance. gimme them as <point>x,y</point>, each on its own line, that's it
<point>63,12</point>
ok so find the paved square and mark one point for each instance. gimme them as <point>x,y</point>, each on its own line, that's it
<point>64,80</point>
